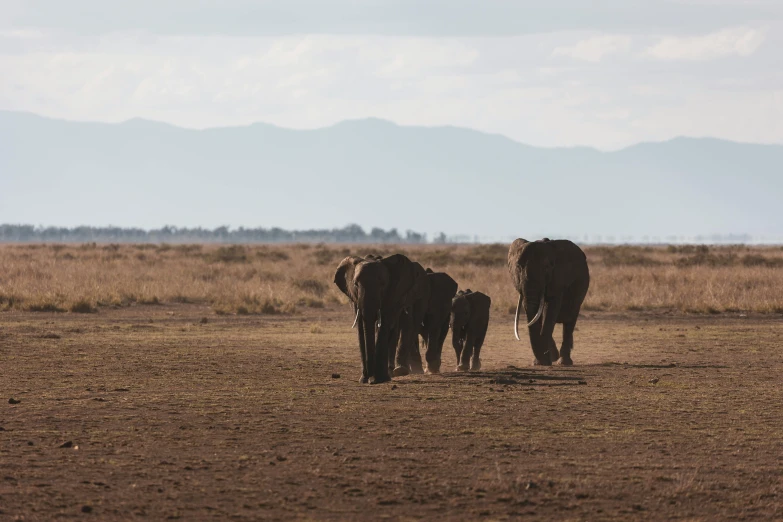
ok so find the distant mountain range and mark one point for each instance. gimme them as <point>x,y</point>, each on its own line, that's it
<point>376,173</point>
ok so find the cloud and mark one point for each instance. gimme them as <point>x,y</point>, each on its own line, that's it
<point>594,49</point>
<point>517,86</point>
<point>737,41</point>
<point>388,17</point>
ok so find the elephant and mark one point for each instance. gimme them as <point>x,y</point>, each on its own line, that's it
<point>435,325</point>
<point>468,322</point>
<point>552,279</point>
<point>408,359</point>
<point>381,290</point>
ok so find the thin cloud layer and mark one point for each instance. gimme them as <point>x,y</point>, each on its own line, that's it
<point>594,49</point>
<point>557,79</point>
<point>737,41</point>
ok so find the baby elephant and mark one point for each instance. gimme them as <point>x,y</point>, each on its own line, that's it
<point>468,323</point>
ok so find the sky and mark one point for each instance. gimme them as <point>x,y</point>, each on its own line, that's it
<point>605,74</point>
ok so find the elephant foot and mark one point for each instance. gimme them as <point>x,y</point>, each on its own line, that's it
<point>565,361</point>
<point>431,371</point>
<point>401,371</point>
<point>380,379</point>
<point>416,370</point>
<point>463,368</point>
<point>364,379</point>
<point>537,362</point>
<point>475,365</point>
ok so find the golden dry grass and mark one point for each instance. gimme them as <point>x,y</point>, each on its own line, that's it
<point>279,279</point>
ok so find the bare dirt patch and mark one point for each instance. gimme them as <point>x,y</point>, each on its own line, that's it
<point>256,417</point>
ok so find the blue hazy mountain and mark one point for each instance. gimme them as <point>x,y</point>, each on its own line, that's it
<point>376,173</point>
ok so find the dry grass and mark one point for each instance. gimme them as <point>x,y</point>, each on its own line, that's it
<point>277,279</point>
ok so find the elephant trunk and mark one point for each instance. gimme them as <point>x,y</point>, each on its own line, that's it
<point>538,343</point>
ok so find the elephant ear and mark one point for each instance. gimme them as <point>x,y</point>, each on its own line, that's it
<point>515,252</point>
<point>345,272</point>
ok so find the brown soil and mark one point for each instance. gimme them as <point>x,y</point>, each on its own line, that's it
<point>241,417</point>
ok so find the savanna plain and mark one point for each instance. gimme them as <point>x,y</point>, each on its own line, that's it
<point>204,382</point>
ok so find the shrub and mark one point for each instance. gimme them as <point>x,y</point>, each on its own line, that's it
<point>228,254</point>
<point>707,259</point>
<point>327,256</point>
<point>83,306</point>
<point>624,256</point>
<point>486,255</point>
<point>310,302</point>
<point>759,260</point>
<point>273,255</point>
<point>688,249</point>
<point>43,306</point>
<point>312,286</point>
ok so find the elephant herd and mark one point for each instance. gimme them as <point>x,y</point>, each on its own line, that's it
<point>396,301</point>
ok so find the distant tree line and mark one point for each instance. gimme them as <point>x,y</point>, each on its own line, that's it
<point>170,234</point>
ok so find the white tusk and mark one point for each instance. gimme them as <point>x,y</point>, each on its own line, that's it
<point>356,319</point>
<point>516,318</point>
<point>541,305</point>
<point>379,318</point>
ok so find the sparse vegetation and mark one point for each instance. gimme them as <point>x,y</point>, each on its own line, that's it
<point>244,279</point>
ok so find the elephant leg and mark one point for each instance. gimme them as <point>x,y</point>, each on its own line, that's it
<point>371,345</point>
<point>467,352</point>
<point>381,367</point>
<point>475,360</point>
<point>363,352</point>
<point>400,356</point>
<point>444,331</point>
<point>404,352</point>
<point>458,345</point>
<point>414,359</point>
<point>433,352</point>
<point>395,353</point>
<point>553,353</point>
<point>543,334</point>
<point>568,344</point>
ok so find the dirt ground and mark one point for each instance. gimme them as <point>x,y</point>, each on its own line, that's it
<point>164,416</point>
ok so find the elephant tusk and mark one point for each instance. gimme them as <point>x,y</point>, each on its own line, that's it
<point>356,319</point>
<point>541,305</point>
<point>543,317</point>
<point>516,318</point>
<point>379,318</point>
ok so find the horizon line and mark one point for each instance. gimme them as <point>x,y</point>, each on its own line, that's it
<point>387,122</point>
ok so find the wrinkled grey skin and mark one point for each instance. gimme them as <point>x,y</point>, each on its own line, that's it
<point>557,272</point>
<point>435,325</point>
<point>379,290</point>
<point>468,322</point>
<point>408,358</point>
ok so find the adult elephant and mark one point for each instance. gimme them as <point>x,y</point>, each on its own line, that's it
<point>408,358</point>
<point>435,324</point>
<point>379,289</point>
<point>552,279</point>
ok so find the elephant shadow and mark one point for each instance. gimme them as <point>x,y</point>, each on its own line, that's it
<point>665,366</point>
<point>513,376</point>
